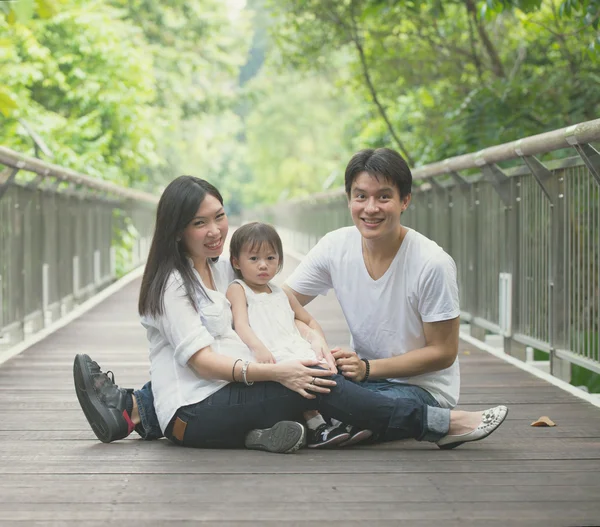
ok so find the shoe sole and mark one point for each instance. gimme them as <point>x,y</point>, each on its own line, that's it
<point>334,441</point>
<point>285,437</point>
<point>450,446</point>
<point>363,435</point>
<point>91,406</point>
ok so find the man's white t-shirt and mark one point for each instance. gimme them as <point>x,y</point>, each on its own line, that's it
<point>386,316</point>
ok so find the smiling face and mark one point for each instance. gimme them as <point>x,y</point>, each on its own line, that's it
<point>376,206</point>
<point>205,235</point>
<point>257,264</point>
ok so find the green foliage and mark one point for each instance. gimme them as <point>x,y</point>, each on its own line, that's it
<point>270,101</point>
<point>111,85</point>
<point>438,78</point>
<point>294,136</point>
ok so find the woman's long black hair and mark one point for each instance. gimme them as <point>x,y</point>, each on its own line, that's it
<point>176,209</point>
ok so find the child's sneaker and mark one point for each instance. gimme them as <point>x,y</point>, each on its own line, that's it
<point>355,435</point>
<point>284,437</point>
<point>326,436</point>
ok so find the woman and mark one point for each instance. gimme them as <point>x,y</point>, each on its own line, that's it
<point>203,391</point>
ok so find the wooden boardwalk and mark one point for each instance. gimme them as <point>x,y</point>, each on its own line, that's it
<point>53,471</point>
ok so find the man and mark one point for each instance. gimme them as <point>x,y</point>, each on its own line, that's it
<point>399,295</point>
<point>397,289</point>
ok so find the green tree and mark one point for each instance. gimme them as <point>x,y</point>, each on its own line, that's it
<point>441,77</point>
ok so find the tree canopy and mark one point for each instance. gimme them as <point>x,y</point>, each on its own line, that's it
<point>269,98</point>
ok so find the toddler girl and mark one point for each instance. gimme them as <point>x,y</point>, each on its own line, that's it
<point>264,318</point>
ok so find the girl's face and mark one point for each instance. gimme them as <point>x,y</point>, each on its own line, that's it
<point>205,235</point>
<point>258,265</point>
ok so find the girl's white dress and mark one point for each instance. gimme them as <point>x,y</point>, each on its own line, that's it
<point>272,319</point>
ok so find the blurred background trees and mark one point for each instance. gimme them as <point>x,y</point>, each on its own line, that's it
<point>269,98</point>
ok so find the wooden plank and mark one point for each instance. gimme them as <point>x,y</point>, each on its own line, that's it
<point>200,510</point>
<point>368,479</point>
<point>206,492</point>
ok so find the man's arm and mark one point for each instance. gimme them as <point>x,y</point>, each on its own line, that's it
<point>439,353</point>
<point>303,299</point>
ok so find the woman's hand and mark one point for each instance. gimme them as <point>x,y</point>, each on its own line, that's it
<point>323,352</point>
<point>349,364</point>
<point>299,377</point>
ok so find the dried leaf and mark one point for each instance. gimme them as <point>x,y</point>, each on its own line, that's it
<point>466,353</point>
<point>544,421</point>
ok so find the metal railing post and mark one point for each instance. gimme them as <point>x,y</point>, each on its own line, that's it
<point>558,279</point>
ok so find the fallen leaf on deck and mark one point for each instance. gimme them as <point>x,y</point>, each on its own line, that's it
<point>544,421</point>
<point>466,353</point>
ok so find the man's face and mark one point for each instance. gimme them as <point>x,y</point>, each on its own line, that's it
<point>375,206</point>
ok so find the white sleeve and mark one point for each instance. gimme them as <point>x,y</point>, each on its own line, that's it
<point>181,325</point>
<point>313,276</point>
<point>438,290</point>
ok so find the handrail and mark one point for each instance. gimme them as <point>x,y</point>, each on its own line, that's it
<point>19,161</point>
<point>578,134</point>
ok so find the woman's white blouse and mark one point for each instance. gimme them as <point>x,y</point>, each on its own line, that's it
<point>176,335</point>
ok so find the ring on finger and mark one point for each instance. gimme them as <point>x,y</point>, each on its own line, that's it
<point>313,381</point>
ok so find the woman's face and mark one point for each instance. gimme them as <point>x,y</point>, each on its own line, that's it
<point>205,235</point>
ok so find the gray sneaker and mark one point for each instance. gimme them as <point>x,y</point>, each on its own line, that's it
<point>284,437</point>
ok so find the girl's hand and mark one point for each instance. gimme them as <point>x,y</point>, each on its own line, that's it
<point>264,356</point>
<point>349,364</point>
<point>323,352</point>
<point>299,377</point>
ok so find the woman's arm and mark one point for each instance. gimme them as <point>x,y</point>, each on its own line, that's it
<point>294,375</point>
<point>239,308</point>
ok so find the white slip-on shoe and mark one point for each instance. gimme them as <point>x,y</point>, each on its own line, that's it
<point>491,419</point>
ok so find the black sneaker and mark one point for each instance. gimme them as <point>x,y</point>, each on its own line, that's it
<point>326,436</point>
<point>102,401</point>
<point>356,435</point>
<point>284,437</point>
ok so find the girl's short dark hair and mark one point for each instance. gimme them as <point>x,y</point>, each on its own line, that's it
<point>254,235</point>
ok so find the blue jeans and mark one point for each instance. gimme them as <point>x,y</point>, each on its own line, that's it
<point>148,428</point>
<point>392,417</point>
<point>438,418</point>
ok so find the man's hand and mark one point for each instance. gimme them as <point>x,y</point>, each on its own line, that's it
<point>350,365</point>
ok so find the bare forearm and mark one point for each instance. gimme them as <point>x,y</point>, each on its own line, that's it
<point>250,339</point>
<point>314,325</point>
<point>210,365</point>
<point>309,333</point>
<point>416,362</point>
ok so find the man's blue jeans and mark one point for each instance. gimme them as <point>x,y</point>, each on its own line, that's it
<point>437,420</point>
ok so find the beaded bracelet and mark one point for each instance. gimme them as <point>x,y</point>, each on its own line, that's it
<point>244,370</point>
<point>233,369</point>
<point>367,370</point>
